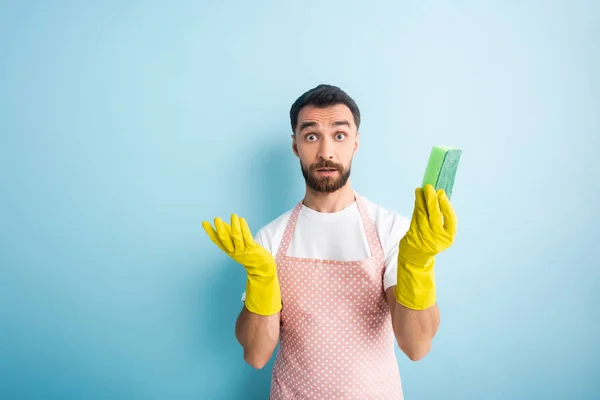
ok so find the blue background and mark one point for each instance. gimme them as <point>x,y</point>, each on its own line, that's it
<point>124,125</point>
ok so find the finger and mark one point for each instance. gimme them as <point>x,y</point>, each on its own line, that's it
<point>449,215</point>
<point>433,210</point>
<point>439,193</point>
<point>224,234</point>
<point>212,234</point>
<point>224,226</point>
<point>227,229</point>
<point>420,214</point>
<point>236,233</point>
<point>246,234</point>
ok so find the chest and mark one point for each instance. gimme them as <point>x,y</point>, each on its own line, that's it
<point>344,241</point>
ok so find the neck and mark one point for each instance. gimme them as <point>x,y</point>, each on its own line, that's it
<point>329,202</point>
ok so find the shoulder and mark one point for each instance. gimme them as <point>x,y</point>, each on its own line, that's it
<point>270,234</point>
<point>391,227</point>
<point>275,225</point>
<point>388,222</point>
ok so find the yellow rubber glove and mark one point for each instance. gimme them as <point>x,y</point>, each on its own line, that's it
<point>432,230</point>
<point>263,295</point>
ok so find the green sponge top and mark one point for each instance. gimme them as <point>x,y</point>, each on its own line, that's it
<point>441,168</point>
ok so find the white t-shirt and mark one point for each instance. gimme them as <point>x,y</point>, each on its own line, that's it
<point>339,236</point>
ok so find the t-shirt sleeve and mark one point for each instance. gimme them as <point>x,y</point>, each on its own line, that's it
<point>395,229</point>
<point>263,240</point>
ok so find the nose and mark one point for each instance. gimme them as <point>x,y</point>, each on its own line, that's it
<point>325,150</point>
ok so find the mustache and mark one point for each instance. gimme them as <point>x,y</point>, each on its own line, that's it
<point>326,164</point>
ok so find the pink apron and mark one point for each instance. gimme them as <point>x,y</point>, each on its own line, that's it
<point>336,340</point>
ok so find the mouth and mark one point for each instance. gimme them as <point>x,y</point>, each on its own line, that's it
<point>326,171</point>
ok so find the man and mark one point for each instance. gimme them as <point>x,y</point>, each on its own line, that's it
<point>337,280</point>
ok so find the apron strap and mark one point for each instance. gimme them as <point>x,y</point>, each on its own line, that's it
<point>370,230</point>
<point>289,232</point>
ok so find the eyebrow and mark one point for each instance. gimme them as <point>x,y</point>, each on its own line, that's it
<point>310,124</point>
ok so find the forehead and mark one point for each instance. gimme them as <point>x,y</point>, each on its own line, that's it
<point>326,116</point>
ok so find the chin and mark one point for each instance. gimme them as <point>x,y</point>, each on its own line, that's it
<point>327,185</point>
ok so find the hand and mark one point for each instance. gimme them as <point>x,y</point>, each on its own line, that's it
<point>432,230</point>
<point>263,295</point>
<point>237,242</point>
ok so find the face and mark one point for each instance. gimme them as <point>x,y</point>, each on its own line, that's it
<point>325,142</point>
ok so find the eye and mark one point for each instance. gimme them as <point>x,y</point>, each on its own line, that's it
<point>340,136</point>
<point>311,137</point>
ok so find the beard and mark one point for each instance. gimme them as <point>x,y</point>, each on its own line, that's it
<point>325,184</point>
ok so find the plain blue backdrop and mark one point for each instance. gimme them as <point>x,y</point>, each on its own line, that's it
<point>124,125</point>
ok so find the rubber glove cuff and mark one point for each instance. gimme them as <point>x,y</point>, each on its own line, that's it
<point>415,287</point>
<point>263,295</point>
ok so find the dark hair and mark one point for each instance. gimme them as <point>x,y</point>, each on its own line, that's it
<point>323,96</point>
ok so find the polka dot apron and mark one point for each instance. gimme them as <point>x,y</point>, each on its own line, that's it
<point>336,339</point>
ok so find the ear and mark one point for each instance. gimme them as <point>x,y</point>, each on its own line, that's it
<point>356,142</point>
<point>295,146</point>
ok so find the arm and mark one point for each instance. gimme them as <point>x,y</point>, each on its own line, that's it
<point>415,314</point>
<point>414,329</point>
<point>257,326</point>
<point>258,335</point>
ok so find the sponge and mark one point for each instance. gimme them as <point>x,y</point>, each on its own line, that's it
<point>441,168</point>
